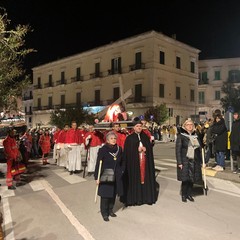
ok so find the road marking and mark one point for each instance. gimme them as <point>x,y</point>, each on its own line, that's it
<point>5,193</point>
<point>7,221</point>
<point>160,168</point>
<point>79,227</point>
<point>36,185</point>
<point>69,178</point>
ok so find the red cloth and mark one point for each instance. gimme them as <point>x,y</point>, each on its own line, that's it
<point>72,136</point>
<point>10,148</point>
<point>97,138</point>
<point>142,158</point>
<point>45,143</point>
<point>61,136</point>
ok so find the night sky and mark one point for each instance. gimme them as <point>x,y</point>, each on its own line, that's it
<point>63,28</point>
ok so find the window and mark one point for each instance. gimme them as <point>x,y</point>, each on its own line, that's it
<point>161,90</point>
<point>39,103</point>
<point>30,109</point>
<point>217,95</point>
<point>39,82</point>
<point>31,95</point>
<point>170,112</point>
<point>50,80</point>
<point>62,101</point>
<point>178,62</point>
<point>234,76</point>
<point>62,77</point>
<point>178,93</point>
<point>162,57</point>
<point>97,97</point>
<point>78,74</point>
<point>192,95</point>
<point>50,101</point>
<point>97,69</point>
<point>192,67</point>
<point>78,99</point>
<point>217,75</point>
<point>116,93</point>
<point>201,98</point>
<point>30,119</point>
<point>25,109</point>
<point>138,60</point>
<point>138,93</point>
<point>203,78</point>
<point>116,65</point>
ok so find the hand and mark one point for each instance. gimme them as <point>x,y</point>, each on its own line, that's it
<point>180,166</point>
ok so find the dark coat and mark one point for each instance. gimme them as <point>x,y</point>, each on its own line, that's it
<point>136,193</point>
<point>109,190</point>
<point>191,170</point>
<point>235,137</point>
<point>219,129</point>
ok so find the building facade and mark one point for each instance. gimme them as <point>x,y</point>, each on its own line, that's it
<point>212,75</point>
<point>151,67</point>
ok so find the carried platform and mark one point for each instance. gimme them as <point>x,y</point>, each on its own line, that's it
<point>109,125</point>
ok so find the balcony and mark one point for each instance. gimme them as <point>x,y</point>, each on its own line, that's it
<point>28,113</point>
<point>114,71</point>
<point>76,79</point>
<point>203,81</point>
<point>46,85</point>
<point>38,86</point>
<point>136,100</point>
<point>61,82</point>
<point>25,98</point>
<point>96,75</point>
<point>136,66</point>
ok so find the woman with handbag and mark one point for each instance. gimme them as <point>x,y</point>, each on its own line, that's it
<point>110,155</point>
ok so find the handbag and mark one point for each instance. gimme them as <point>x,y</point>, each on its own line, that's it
<point>17,168</point>
<point>108,175</point>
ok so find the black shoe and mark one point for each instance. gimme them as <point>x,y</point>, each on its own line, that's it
<point>105,218</point>
<point>71,173</point>
<point>11,187</point>
<point>112,214</point>
<point>184,199</point>
<point>190,198</point>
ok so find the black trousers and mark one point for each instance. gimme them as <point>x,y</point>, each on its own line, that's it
<point>187,187</point>
<point>106,205</point>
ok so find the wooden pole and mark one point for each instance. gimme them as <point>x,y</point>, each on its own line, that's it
<point>98,179</point>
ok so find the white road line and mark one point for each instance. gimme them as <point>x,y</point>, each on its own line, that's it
<point>69,178</point>
<point>5,193</point>
<point>225,185</point>
<point>79,227</point>
<point>7,221</point>
<point>167,164</point>
<point>160,168</point>
<point>36,185</point>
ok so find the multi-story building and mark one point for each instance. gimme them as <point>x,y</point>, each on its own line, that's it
<point>212,74</point>
<point>149,69</point>
<point>27,102</point>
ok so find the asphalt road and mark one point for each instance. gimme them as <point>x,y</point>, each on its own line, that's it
<point>53,205</point>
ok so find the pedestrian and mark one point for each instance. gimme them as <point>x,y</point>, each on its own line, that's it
<point>235,141</point>
<point>45,145</point>
<point>140,185</point>
<point>188,156</point>
<point>111,155</point>
<point>219,131</point>
<point>12,154</point>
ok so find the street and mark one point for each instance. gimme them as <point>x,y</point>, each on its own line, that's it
<point>54,205</point>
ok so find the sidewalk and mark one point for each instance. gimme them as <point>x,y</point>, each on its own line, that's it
<point>227,174</point>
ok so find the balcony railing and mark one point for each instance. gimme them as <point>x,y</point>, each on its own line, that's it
<point>136,100</point>
<point>38,86</point>
<point>46,85</point>
<point>136,66</point>
<point>95,75</point>
<point>114,71</point>
<point>61,82</point>
<point>27,98</point>
<point>76,79</point>
<point>203,81</point>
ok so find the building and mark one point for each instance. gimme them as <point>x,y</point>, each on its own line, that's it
<point>27,102</point>
<point>148,69</point>
<point>212,74</point>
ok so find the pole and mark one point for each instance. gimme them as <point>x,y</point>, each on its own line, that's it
<point>204,171</point>
<point>85,163</point>
<point>230,117</point>
<point>98,179</point>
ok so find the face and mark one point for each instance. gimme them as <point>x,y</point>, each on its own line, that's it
<point>137,128</point>
<point>74,125</point>
<point>116,127</point>
<point>189,126</point>
<point>235,115</point>
<point>112,139</point>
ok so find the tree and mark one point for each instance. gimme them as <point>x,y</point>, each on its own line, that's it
<point>61,117</point>
<point>13,77</point>
<point>159,113</point>
<point>232,97</point>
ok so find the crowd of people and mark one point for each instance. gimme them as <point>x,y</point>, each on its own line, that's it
<point>129,152</point>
